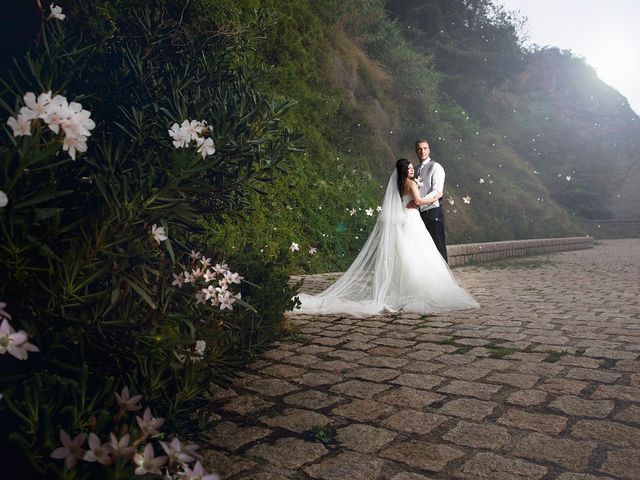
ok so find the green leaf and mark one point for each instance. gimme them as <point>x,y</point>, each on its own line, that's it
<point>41,199</point>
<point>141,291</point>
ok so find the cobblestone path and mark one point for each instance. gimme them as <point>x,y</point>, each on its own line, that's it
<point>542,382</point>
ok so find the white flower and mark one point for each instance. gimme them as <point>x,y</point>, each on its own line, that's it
<point>201,346</point>
<point>482,180</point>
<point>205,261</point>
<point>294,247</point>
<point>369,212</point>
<point>419,181</point>
<point>73,144</point>
<point>195,255</point>
<point>181,135</point>
<point>378,208</point>
<point>56,113</point>
<point>195,128</point>
<point>56,12</point>
<point>450,200</point>
<point>313,251</point>
<point>466,199</point>
<point>205,147</point>
<point>352,211</point>
<point>38,108</point>
<point>568,178</point>
<point>158,233</point>
<point>20,126</point>
<point>4,200</point>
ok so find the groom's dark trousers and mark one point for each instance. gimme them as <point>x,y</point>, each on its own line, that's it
<point>434,221</point>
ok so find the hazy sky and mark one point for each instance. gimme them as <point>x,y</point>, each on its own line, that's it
<point>606,33</point>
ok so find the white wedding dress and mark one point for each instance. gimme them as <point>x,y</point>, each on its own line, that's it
<point>398,269</point>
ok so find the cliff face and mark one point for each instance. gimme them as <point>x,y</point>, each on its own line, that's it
<point>587,130</point>
<point>554,130</point>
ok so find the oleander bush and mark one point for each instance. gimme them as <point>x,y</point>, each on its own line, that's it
<point>119,152</point>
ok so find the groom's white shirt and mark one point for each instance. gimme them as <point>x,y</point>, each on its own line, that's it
<point>432,177</point>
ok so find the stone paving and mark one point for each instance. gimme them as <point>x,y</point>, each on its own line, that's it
<point>541,382</point>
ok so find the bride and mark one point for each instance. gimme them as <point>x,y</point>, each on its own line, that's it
<point>398,269</point>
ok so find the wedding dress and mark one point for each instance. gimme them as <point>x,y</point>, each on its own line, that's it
<point>398,269</point>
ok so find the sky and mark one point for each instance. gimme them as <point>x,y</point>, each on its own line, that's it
<point>605,33</point>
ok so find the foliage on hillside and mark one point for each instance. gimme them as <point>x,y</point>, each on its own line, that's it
<point>365,93</point>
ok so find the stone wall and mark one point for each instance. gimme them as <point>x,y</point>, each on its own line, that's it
<point>483,252</point>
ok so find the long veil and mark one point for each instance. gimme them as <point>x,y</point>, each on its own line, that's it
<point>375,281</point>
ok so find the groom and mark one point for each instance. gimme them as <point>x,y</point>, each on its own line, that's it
<point>430,179</point>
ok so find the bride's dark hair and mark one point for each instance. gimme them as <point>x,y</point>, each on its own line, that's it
<point>402,168</point>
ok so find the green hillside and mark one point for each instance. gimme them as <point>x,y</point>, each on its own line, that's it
<point>371,77</point>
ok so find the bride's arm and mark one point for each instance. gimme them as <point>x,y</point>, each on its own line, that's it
<point>416,199</point>
<point>414,193</point>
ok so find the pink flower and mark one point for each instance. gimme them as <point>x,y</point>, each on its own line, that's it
<point>127,403</point>
<point>121,448</point>
<point>179,453</point>
<point>178,280</point>
<point>195,255</point>
<point>147,463</point>
<point>206,262</point>
<point>14,343</point>
<point>198,473</point>
<point>209,276</point>
<point>71,450</point>
<point>232,277</point>
<point>20,126</point>
<point>209,292</point>
<point>200,297</point>
<point>226,301</point>
<point>97,451</point>
<point>3,312</point>
<point>220,268</point>
<point>149,424</point>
